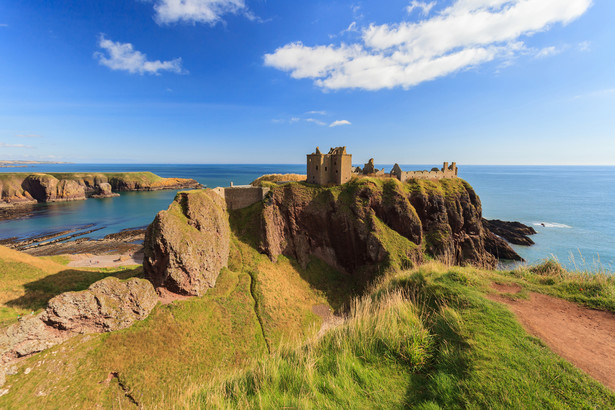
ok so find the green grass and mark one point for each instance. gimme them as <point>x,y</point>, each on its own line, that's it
<point>256,304</point>
<point>592,289</point>
<point>27,283</point>
<point>426,338</point>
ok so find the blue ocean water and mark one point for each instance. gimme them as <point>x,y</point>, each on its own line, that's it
<point>571,207</point>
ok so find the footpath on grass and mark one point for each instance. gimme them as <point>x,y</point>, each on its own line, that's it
<point>583,336</point>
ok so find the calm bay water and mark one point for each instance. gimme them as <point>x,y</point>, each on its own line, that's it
<point>575,204</point>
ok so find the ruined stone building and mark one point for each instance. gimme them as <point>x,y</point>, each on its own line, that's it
<point>369,169</point>
<point>435,173</point>
<point>332,168</point>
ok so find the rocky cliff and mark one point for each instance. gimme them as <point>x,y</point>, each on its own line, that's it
<point>363,227</point>
<point>370,222</point>
<point>18,188</point>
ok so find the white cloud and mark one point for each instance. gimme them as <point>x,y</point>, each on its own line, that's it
<point>315,121</point>
<point>28,136</point>
<point>424,6</point>
<point>595,94</point>
<point>466,34</point>
<point>352,28</point>
<point>122,56</point>
<point>198,11</point>
<point>584,46</point>
<point>316,112</point>
<point>338,123</point>
<point>5,145</point>
<point>3,25</point>
<point>548,52</point>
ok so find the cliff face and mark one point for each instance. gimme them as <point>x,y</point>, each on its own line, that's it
<point>31,188</point>
<point>362,228</point>
<point>368,222</point>
<point>352,228</point>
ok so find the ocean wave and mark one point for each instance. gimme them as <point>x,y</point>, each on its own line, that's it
<point>552,225</point>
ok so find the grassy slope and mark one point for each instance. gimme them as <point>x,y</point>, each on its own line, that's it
<point>426,338</point>
<point>255,305</point>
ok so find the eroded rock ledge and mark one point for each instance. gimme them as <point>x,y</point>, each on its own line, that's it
<point>514,232</point>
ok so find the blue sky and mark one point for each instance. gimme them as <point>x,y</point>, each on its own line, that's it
<point>253,81</point>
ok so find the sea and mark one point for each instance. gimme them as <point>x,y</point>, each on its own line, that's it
<point>571,207</point>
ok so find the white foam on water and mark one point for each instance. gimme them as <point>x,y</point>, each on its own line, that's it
<point>552,225</point>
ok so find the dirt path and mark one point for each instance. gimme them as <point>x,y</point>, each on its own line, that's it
<point>584,337</point>
<point>329,318</point>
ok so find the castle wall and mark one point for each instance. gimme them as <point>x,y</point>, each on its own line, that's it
<point>345,169</point>
<point>239,197</point>
<point>316,166</point>
<point>445,172</point>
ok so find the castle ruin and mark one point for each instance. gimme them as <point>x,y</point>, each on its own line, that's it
<point>445,172</point>
<point>332,168</point>
<point>335,168</point>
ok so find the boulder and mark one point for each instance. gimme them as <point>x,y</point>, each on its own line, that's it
<point>107,305</point>
<point>103,190</point>
<point>187,245</point>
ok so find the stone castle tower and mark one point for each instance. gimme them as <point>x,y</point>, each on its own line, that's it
<point>332,168</point>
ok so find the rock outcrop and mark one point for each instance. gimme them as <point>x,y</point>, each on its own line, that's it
<point>361,228</point>
<point>187,245</point>
<point>300,222</point>
<point>107,305</point>
<point>47,188</point>
<point>514,232</point>
<point>442,218</point>
<point>499,248</point>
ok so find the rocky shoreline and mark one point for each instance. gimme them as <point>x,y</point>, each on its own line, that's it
<point>71,242</point>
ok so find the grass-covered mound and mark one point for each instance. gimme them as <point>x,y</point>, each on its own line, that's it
<point>274,179</point>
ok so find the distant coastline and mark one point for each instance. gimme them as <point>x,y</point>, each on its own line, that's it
<point>24,164</point>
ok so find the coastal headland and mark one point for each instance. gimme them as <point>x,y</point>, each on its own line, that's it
<point>284,293</point>
<point>31,188</point>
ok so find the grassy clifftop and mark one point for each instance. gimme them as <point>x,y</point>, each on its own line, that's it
<point>18,187</point>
